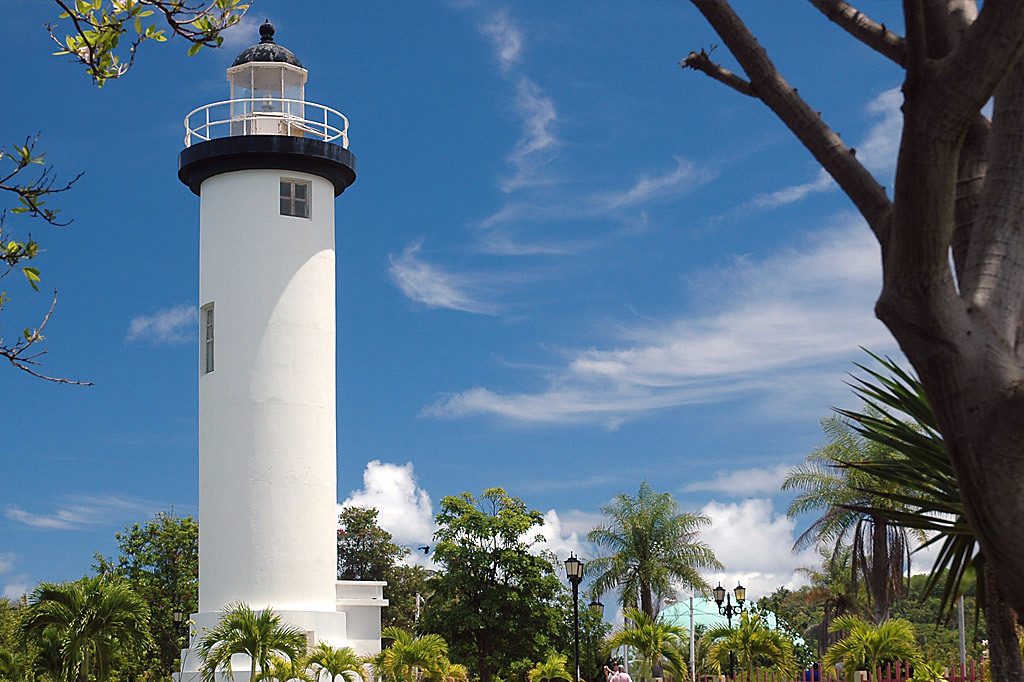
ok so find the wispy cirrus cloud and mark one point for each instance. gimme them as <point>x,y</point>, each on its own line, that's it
<point>648,188</point>
<point>506,38</point>
<point>774,327</point>
<point>170,325</point>
<point>79,512</point>
<point>428,284</point>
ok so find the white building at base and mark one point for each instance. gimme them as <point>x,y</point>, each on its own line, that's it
<point>267,166</point>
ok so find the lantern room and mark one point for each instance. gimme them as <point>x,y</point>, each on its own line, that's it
<point>267,88</point>
<point>268,97</point>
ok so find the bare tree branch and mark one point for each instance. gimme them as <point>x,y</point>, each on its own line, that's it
<point>826,146</point>
<point>16,354</point>
<point>701,61</point>
<point>857,24</point>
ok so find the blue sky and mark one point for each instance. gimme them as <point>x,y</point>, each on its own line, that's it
<point>566,267</point>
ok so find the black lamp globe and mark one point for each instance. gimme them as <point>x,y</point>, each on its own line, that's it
<point>741,593</point>
<point>719,594</point>
<point>574,569</point>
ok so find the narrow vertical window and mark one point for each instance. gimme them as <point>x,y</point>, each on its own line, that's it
<point>295,198</point>
<point>206,315</point>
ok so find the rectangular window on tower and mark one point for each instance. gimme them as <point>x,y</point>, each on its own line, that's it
<point>206,318</point>
<point>295,198</point>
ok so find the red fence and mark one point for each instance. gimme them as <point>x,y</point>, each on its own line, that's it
<point>975,672</point>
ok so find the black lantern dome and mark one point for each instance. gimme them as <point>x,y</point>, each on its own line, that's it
<point>267,50</point>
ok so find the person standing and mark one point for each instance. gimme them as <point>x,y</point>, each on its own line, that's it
<point>616,674</point>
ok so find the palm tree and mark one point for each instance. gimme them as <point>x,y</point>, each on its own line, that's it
<point>407,653</point>
<point>881,549</point>
<point>258,635</point>
<point>448,672</point>
<point>653,549</point>
<point>656,641</point>
<point>554,668</point>
<point>868,646</point>
<point>285,670</point>
<point>754,644</point>
<point>831,588</point>
<point>90,622</point>
<point>343,662</point>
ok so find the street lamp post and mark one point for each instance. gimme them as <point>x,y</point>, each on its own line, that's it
<point>730,610</point>
<point>574,571</point>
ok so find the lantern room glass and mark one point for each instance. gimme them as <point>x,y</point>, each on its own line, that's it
<point>265,89</point>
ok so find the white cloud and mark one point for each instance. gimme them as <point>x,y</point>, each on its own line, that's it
<point>879,150</point>
<point>81,511</point>
<point>744,482</point>
<point>755,544</point>
<point>788,195</point>
<point>684,178</point>
<point>506,37</point>
<point>764,327</point>
<point>427,284</point>
<point>16,589</point>
<point>170,325</point>
<point>6,562</point>
<point>538,143</point>
<point>404,508</point>
<point>559,539</point>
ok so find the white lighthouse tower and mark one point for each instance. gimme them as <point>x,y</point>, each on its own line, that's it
<point>267,166</point>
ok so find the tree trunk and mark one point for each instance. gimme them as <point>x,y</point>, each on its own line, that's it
<point>880,569</point>
<point>647,601</point>
<point>1000,626</point>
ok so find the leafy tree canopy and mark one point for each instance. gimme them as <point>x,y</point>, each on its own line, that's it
<point>159,559</point>
<point>495,602</point>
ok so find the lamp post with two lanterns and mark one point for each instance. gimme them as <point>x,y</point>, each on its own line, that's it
<point>730,610</point>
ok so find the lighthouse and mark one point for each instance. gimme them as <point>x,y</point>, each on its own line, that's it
<point>268,166</point>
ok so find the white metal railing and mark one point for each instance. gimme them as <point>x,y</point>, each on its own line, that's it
<point>265,116</point>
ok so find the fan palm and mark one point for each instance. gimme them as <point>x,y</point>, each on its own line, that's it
<point>258,635</point>
<point>90,621</point>
<point>868,646</point>
<point>926,490</point>
<point>343,662</point>
<point>653,547</point>
<point>754,644</point>
<point>554,668</point>
<point>854,503</point>
<point>407,653</point>
<point>656,641</point>
<point>901,418</point>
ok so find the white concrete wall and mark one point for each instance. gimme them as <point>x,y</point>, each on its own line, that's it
<point>267,433</point>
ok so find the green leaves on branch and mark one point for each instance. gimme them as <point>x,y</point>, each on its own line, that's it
<point>98,26</point>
